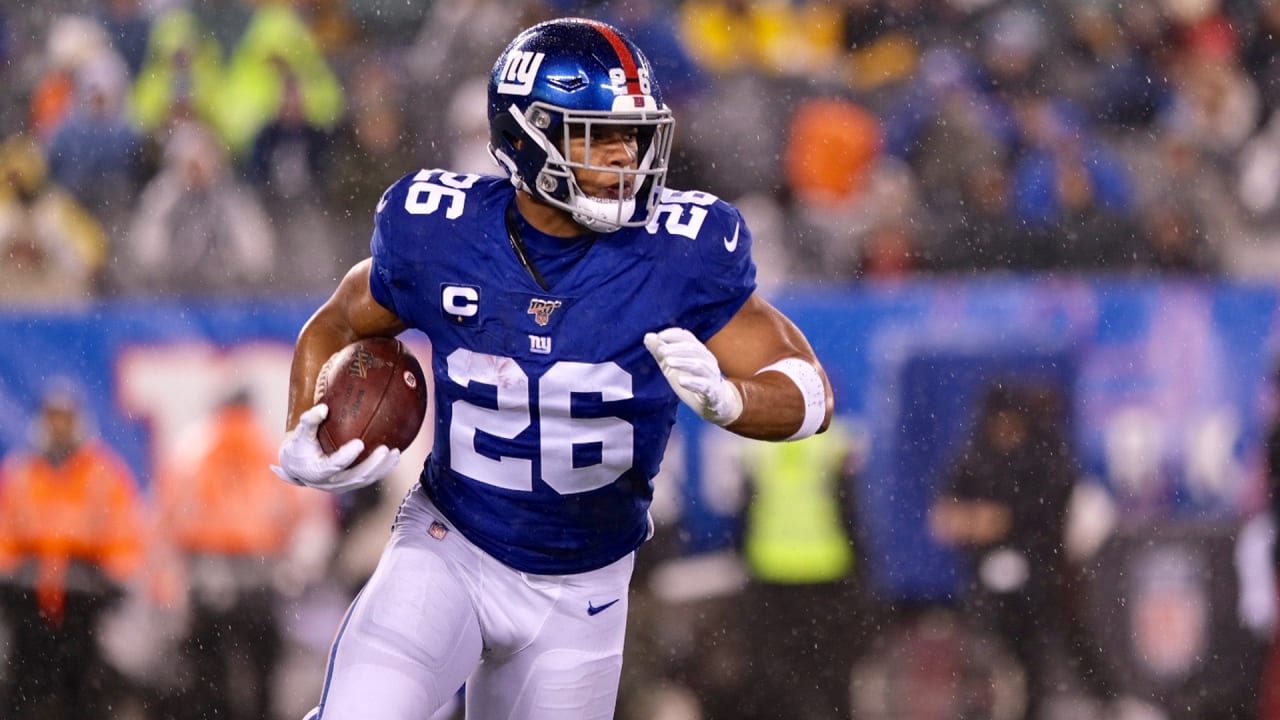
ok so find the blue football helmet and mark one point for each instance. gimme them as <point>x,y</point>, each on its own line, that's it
<point>564,78</point>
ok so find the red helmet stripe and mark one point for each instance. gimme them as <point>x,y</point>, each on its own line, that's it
<point>629,68</point>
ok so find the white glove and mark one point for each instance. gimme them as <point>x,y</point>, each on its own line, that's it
<point>694,374</point>
<point>303,462</point>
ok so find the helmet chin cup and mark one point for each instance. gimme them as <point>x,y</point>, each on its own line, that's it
<point>600,215</point>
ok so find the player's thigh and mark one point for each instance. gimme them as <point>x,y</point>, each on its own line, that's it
<point>571,669</point>
<point>410,639</point>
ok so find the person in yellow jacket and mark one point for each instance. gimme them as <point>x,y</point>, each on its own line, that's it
<point>183,76</point>
<point>55,251</point>
<point>242,542</point>
<point>276,50</point>
<point>71,537</point>
<point>799,547</point>
<point>775,37</point>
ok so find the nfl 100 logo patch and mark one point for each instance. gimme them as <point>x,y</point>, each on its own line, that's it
<point>541,310</point>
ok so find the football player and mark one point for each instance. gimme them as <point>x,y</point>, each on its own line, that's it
<point>571,305</point>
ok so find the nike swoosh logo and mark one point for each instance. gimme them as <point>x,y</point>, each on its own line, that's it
<point>597,609</point>
<point>732,244</point>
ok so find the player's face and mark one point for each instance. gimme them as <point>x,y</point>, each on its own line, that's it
<point>609,146</point>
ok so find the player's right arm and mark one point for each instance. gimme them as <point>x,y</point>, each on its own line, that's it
<point>349,314</point>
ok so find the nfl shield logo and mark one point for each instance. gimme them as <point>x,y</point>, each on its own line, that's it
<point>541,310</point>
<point>1169,611</point>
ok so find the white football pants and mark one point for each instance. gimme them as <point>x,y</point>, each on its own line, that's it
<point>439,612</point>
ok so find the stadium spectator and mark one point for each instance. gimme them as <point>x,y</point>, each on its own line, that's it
<point>1260,54</point>
<point>128,26</point>
<point>1175,241</point>
<point>182,79</point>
<point>849,202</point>
<point>467,124</point>
<point>944,124</point>
<point>1004,506</point>
<point>71,537</point>
<point>453,43</point>
<point>395,24</point>
<point>1213,101</point>
<point>718,122</point>
<point>1014,50</point>
<point>1256,182</point>
<point>369,147</point>
<point>196,228</point>
<point>979,233</point>
<point>774,37</point>
<point>1180,177</point>
<point>256,88</point>
<point>1107,73</point>
<point>878,44</point>
<point>336,32</point>
<point>1069,187</point>
<point>95,153</point>
<point>289,166</point>
<point>72,41</point>
<point>891,251</point>
<point>245,543</point>
<point>457,39</point>
<point>803,598</point>
<point>832,146</point>
<point>53,249</point>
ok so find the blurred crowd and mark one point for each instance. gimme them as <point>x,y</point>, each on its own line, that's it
<point>115,598</point>
<point>218,146</point>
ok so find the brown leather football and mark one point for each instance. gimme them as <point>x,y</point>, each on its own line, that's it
<point>376,391</point>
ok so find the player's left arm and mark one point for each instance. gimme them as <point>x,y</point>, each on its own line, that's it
<point>757,376</point>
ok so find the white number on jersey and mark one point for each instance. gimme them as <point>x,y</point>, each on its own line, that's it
<point>558,430</point>
<point>424,196</point>
<point>682,219</point>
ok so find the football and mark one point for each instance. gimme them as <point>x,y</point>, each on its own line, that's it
<point>376,391</point>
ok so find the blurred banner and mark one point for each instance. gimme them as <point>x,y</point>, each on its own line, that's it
<point>1164,604</point>
<point>1169,384</point>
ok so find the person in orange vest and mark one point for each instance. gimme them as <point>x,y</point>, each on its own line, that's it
<point>71,538</point>
<point>242,542</point>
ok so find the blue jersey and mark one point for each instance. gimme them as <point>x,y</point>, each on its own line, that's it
<point>551,416</point>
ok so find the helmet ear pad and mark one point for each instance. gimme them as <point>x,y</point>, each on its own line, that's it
<point>525,157</point>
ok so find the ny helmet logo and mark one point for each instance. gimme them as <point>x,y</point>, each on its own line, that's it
<point>541,310</point>
<point>520,71</point>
